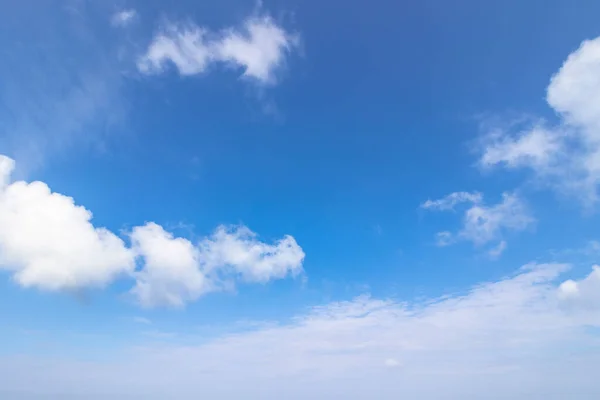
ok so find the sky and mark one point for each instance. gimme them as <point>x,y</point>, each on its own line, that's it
<point>288,199</point>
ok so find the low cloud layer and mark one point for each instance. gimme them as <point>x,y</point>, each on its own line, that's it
<point>512,338</point>
<point>49,242</point>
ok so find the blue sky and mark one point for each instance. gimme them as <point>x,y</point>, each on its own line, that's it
<point>292,200</point>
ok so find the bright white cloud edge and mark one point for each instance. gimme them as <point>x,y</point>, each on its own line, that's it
<point>517,338</point>
<point>49,242</point>
<point>259,47</point>
<point>565,155</point>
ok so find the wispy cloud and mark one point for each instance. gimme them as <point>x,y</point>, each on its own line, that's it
<point>451,200</point>
<point>259,48</point>
<point>142,320</point>
<point>63,90</point>
<point>123,17</point>
<point>483,223</point>
<point>495,252</point>
<point>472,345</point>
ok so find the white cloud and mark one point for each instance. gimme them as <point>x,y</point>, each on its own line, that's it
<point>177,272</point>
<point>259,48</point>
<point>6,168</point>
<point>49,242</point>
<point>495,252</point>
<point>505,339</point>
<point>483,224</point>
<point>123,17</point>
<point>573,91</point>
<point>171,274</point>
<point>565,156</point>
<point>584,293</point>
<point>443,239</point>
<point>451,200</point>
<point>536,147</point>
<point>253,260</point>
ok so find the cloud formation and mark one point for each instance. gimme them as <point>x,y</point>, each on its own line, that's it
<point>49,242</point>
<point>483,224</point>
<point>450,201</point>
<point>259,48</point>
<point>510,338</point>
<point>566,155</point>
<point>123,17</point>
<point>584,293</point>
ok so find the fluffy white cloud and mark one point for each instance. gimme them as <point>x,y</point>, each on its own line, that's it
<point>123,17</point>
<point>566,156</point>
<point>505,339</point>
<point>171,274</point>
<point>483,224</point>
<point>49,242</point>
<point>6,168</point>
<point>240,251</point>
<point>574,90</point>
<point>259,48</point>
<point>176,271</point>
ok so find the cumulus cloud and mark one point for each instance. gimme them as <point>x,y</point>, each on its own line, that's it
<point>49,242</point>
<point>176,271</point>
<point>566,155</point>
<point>123,17</point>
<point>6,168</point>
<point>259,48</point>
<point>509,338</point>
<point>171,274</point>
<point>481,223</point>
<point>253,260</point>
